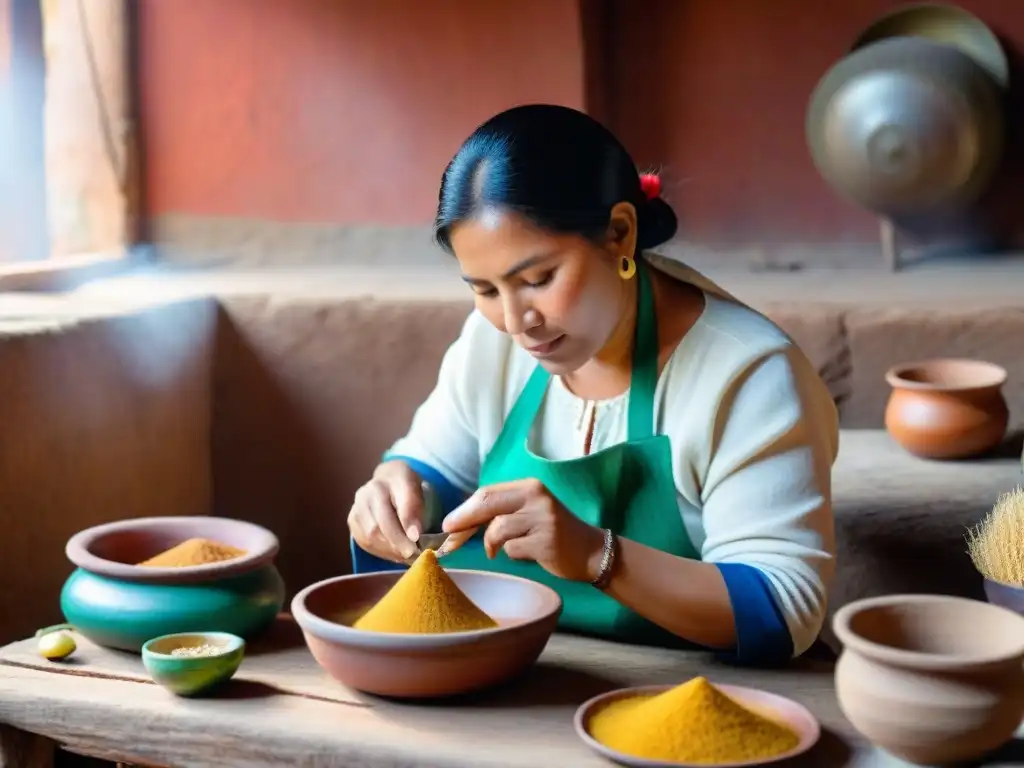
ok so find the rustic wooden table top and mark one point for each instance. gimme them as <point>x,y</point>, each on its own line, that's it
<point>281,709</point>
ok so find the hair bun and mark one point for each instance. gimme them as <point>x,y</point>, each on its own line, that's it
<point>656,223</point>
<point>650,183</point>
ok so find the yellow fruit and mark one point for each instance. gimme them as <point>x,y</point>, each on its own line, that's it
<point>56,646</point>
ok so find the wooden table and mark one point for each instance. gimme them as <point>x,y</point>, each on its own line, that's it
<point>282,710</point>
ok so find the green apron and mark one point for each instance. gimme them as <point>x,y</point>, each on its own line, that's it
<point>628,488</point>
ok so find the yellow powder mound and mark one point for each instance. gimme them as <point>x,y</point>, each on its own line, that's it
<point>425,601</point>
<point>193,552</point>
<point>691,723</point>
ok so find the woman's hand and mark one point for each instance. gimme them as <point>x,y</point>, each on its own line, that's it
<point>386,516</point>
<point>525,520</point>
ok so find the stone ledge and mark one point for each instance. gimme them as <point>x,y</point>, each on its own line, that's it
<point>850,343</point>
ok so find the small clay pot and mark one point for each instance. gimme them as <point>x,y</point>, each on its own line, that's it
<point>193,675</point>
<point>947,408</point>
<point>932,679</point>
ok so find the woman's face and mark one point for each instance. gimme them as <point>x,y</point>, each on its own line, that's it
<point>559,296</point>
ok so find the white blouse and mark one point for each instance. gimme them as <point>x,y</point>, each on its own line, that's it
<point>754,433</point>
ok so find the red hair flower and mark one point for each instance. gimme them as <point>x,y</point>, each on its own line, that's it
<point>650,184</point>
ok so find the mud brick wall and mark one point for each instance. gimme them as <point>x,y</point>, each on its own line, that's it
<point>100,419</point>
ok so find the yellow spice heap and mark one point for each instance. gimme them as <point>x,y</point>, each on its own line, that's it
<point>424,601</point>
<point>193,552</point>
<point>997,545</point>
<point>691,723</point>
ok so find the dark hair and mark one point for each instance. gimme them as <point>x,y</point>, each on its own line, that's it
<point>559,168</point>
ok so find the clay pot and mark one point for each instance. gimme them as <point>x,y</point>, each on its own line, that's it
<point>931,679</point>
<point>947,408</point>
<point>118,604</point>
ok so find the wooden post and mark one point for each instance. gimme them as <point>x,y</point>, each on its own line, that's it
<point>90,133</point>
<point>890,245</point>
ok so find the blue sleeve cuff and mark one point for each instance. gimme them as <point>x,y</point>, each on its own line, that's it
<point>762,636</point>
<point>449,494</point>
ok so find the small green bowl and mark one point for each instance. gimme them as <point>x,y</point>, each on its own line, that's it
<point>193,675</point>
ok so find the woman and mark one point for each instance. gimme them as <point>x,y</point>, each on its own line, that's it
<point>611,423</point>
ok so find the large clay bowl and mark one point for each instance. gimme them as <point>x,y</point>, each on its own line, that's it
<point>426,666</point>
<point>118,604</point>
<point>931,679</point>
<point>947,408</point>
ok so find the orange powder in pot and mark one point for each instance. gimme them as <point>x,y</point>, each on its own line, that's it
<point>425,600</point>
<point>193,552</point>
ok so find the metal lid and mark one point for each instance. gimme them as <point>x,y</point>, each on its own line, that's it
<point>906,125</point>
<point>945,24</point>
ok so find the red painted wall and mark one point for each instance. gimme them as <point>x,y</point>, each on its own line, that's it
<point>334,110</point>
<point>345,111</point>
<point>716,94</point>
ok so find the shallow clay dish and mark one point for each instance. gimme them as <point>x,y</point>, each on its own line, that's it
<point>778,708</point>
<point>426,666</point>
<point>931,679</point>
<point>947,408</point>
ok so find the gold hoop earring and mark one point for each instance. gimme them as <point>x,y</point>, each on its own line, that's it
<point>627,268</point>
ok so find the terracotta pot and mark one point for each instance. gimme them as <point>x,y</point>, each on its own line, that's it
<point>947,408</point>
<point>931,679</point>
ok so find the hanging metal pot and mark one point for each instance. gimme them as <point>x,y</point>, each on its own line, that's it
<point>906,125</point>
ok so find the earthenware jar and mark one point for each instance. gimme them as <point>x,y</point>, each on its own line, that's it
<point>118,604</point>
<point>931,679</point>
<point>947,408</point>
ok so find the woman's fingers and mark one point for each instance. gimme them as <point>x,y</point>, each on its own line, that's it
<point>366,534</point>
<point>487,504</point>
<point>505,529</point>
<point>407,499</point>
<point>384,514</point>
<point>374,524</point>
<point>456,540</point>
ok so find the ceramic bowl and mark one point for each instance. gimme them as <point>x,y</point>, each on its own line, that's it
<point>779,708</point>
<point>426,666</point>
<point>193,675</point>
<point>118,604</point>
<point>931,679</point>
<point>947,408</point>
<point>1005,596</point>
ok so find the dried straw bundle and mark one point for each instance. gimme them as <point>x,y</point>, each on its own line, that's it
<point>996,545</point>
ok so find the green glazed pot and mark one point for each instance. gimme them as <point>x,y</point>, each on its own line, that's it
<point>121,614</point>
